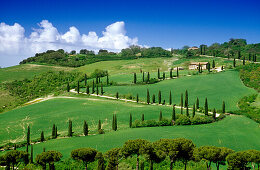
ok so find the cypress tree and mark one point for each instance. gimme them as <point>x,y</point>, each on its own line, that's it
<point>223,107</point>
<point>206,107</point>
<point>143,76</point>
<point>160,116</point>
<point>56,132</point>
<point>99,124</point>
<point>87,89</point>
<point>137,98</point>
<point>99,80</point>
<point>186,99</point>
<point>28,135</point>
<point>53,131</point>
<point>244,61</point>
<point>96,79</point>
<point>163,102</point>
<point>234,62</point>
<point>42,136</point>
<point>213,64</point>
<point>181,99</point>
<point>163,75</point>
<point>153,98</point>
<point>31,158</point>
<point>102,90</point>
<point>68,87</point>
<point>214,114</point>
<point>93,87</point>
<point>171,73</point>
<point>107,79</point>
<point>130,121</point>
<point>173,113</point>
<point>85,79</point>
<point>208,65</point>
<point>78,87</point>
<point>142,117</point>
<point>193,110</point>
<point>115,123</point>
<point>197,104</point>
<point>117,95</point>
<point>97,88</point>
<point>148,77</point>
<point>148,97</point>
<point>170,98</point>
<point>159,97</point>
<point>85,128</point>
<point>70,128</point>
<point>199,67</point>
<point>177,72</point>
<point>159,73</point>
<point>222,67</point>
<point>255,58</point>
<point>134,78</point>
<point>187,111</point>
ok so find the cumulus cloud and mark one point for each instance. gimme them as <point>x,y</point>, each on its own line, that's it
<point>14,46</point>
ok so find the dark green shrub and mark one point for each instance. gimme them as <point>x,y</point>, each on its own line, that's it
<point>183,120</point>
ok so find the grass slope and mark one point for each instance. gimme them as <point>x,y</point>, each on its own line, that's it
<point>216,87</point>
<point>235,132</point>
<point>41,116</point>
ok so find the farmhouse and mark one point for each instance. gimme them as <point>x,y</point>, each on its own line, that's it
<point>195,65</point>
<point>193,48</point>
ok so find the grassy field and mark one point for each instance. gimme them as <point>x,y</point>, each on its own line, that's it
<point>216,87</point>
<point>23,71</point>
<point>41,116</point>
<point>235,132</point>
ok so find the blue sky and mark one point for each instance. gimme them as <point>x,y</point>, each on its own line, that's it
<point>169,24</point>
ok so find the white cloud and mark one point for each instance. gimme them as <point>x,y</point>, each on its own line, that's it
<point>14,46</point>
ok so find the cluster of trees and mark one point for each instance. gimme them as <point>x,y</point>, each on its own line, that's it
<point>235,48</point>
<point>171,150</point>
<point>72,59</point>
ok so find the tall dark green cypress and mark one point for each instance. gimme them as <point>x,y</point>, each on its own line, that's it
<point>160,116</point>
<point>213,64</point>
<point>107,79</point>
<point>78,87</point>
<point>159,97</point>
<point>214,114</point>
<point>197,103</point>
<point>173,113</point>
<point>28,141</point>
<point>187,111</point>
<point>85,128</point>
<point>193,110</point>
<point>208,66</point>
<point>170,98</point>
<point>130,121</point>
<point>68,87</point>
<point>93,87</point>
<point>56,131</point>
<point>142,117</point>
<point>87,89</point>
<point>31,157</point>
<point>199,67</point>
<point>234,62</point>
<point>143,76</point>
<point>181,103</point>
<point>177,72</point>
<point>85,79</point>
<point>158,73</point>
<point>163,75</point>
<point>206,107</point>
<point>53,131</point>
<point>97,88</point>
<point>137,98</point>
<point>153,98</point>
<point>223,107</point>
<point>115,123</point>
<point>134,78</point>
<point>70,128</point>
<point>186,99</point>
<point>42,136</point>
<point>102,90</point>
<point>99,124</point>
<point>117,95</point>
<point>148,97</point>
<point>171,73</point>
<point>148,77</point>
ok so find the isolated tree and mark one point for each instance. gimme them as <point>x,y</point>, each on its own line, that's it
<point>213,64</point>
<point>171,73</point>
<point>163,75</point>
<point>70,129</point>
<point>87,89</point>
<point>148,97</point>
<point>159,97</point>
<point>42,137</point>
<point>115,122</point>
<point>130,121</point>
<point>177,70</point>
<point>113,156</point>
<point>85,128</point>
<point>135,147</point>
<point>208,66</point>
<point>148,77</point>
<point>181,103</point>
<point>53,132</point>
<point>85,79</point>
<point>137,98</point>
<point>86,155</point>
<point>68,87</point>
<point>31,157</point>
<point>93,87</point>
<point>186,99</point>
<point>99,124</point>
<point>134,78</point>
<point>206,107</point>
<point>234,62</point>
<point>159,73</point>
<point>170,98</point>
<point>223,107</point>
<point>107,79</point>
<point>49,157</point>
<point>28,138</point>
<point>173,113</point>
<point>117,95</point>
<point>142,117</point>
<point>102,90</point>
<point>214,114</point>
<point>197,103</point>
<point>78,87</point>
<point>160,116</point>
<point>193,110</point>
<point>143,76</point>
<point>101,161</point>
<point>153,98</point>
